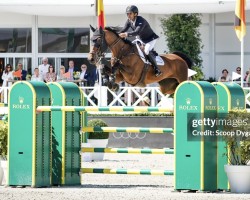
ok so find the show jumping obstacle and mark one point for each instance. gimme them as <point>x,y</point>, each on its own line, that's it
<point>44,139</point>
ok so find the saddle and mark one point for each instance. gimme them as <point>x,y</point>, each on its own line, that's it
<point>140,47</point>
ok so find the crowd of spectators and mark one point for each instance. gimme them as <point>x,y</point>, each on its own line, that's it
<point>46,72</point>
<point>225,77</point>
<point>82,76</point>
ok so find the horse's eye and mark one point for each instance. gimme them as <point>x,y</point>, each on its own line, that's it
<point>93,42</point>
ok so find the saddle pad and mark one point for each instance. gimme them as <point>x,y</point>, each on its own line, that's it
<point>158,59</point>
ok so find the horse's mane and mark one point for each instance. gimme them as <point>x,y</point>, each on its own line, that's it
<point>115,30</point>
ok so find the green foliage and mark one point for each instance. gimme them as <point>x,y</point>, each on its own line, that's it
<point>182,34</point>
<point>238,146</point>
<point>98,123</point>
<point>199,76</point>
<point>3,139</point>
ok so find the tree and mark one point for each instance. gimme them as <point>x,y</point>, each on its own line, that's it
<point>182,34</point>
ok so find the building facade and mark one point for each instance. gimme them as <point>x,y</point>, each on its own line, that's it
<point>28,38</point>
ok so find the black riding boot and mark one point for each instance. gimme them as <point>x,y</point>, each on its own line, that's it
<point>154,64</point>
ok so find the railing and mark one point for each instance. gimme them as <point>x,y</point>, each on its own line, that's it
<point>126,96</point>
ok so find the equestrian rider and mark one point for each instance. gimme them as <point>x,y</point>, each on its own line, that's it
<point>140,27</point>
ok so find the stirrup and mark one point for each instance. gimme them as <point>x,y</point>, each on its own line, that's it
<point>158,73</point>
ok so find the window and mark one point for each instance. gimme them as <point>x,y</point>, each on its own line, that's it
<point>63,40</point>
<point>16,40</point>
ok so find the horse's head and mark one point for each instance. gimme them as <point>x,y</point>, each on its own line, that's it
<point>99,45</point>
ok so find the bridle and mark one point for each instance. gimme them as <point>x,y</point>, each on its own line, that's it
<point>100,50</point>
<point>101,47</point>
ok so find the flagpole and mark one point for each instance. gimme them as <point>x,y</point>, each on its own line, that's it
<point>242,62</point>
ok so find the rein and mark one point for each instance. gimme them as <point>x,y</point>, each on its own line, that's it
<point>104,46</point>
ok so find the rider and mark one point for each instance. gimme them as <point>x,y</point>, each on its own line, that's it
<point>140,27</point>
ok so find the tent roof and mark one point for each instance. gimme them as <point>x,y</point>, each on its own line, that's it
<point>87,7</point>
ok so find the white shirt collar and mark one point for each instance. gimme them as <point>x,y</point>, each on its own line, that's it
<point>133,22</point>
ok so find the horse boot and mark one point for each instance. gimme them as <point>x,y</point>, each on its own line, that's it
<point>154,64</point>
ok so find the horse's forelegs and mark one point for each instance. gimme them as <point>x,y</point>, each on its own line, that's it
<point>105,77</point>
<point>118,77</point>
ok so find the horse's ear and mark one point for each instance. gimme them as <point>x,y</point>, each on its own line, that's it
<point>92,28</point>
<point>100,30</point>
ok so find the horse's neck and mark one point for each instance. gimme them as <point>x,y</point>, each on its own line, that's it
<point>130,60</point>
<point>116,44</point>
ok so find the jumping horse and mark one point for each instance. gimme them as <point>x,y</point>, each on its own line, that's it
<point>127,65</point>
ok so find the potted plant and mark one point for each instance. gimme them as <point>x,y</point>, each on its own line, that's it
<point>97,139</point>
<point>3,151</point>
<point>238,151</point>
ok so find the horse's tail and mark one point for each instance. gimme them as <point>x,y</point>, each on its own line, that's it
<point>184,57</point>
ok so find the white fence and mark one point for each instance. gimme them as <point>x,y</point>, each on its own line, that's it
<point>126,96</point>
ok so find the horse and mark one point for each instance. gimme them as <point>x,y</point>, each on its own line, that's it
<point>127,65</point>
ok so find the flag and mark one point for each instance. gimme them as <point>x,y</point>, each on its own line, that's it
<point>191,72</point>
<point>17,73</point>
<point>240,19</point>
<point>100,13</point>
<point>66,75</point>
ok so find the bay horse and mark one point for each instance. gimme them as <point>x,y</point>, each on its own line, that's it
<point>131,68</point>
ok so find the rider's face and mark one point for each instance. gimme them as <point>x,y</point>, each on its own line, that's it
<point>131,16</point>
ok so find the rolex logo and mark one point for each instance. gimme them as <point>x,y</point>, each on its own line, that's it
<point>21,100</point>
<point>188,105</point>
<point>21,104</point>
<point>210,101</point>
<point>188,101</point>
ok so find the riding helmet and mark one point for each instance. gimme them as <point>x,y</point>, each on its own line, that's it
<point>132,8</point>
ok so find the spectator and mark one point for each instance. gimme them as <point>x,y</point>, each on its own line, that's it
<point>44,68</point>
<point>7,78</point>
<point>248,79</point>
<point>84,76</point>
<point>23,72</point>
<point>61,76</point>
<point>246,75</point>
<point>36,76</point>
<point>225,75</point>
<point>7,75</point>
<point>51,75</point>
<point>238,71</point>
<point>223,79</point>
<point>72,69</point>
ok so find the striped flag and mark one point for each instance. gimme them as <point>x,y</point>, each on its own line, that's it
<point>240,19</point>
<point>100,13</point>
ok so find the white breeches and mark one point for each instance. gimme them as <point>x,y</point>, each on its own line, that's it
<point>149,46</point>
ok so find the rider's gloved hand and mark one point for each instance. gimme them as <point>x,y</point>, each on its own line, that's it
<point>123,35</point>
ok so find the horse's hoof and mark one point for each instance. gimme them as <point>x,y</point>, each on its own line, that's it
<point>109,85</point>
<point>115,87</point>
